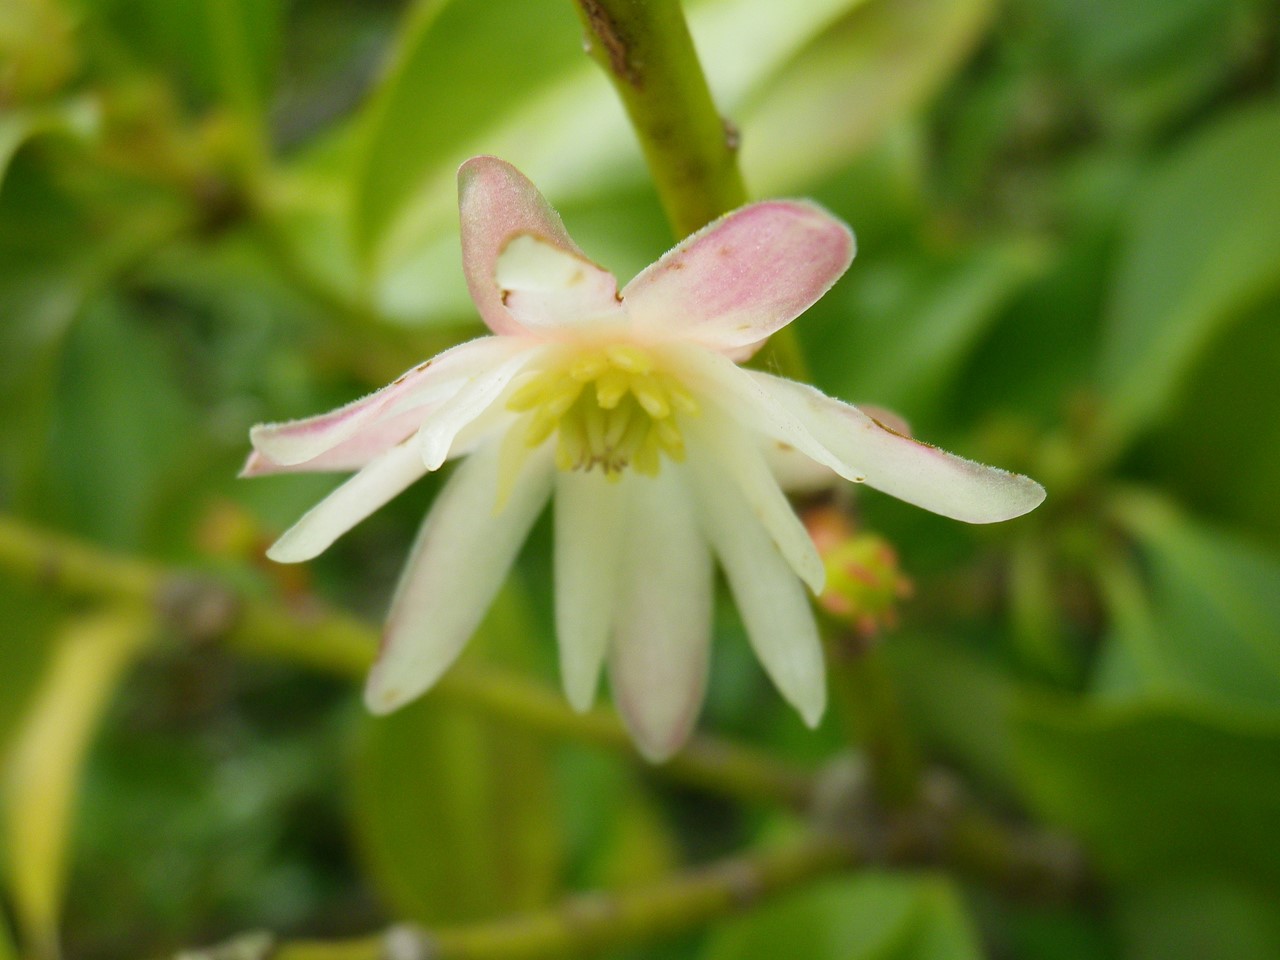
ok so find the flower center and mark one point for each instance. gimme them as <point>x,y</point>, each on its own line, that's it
<point>609,407</point>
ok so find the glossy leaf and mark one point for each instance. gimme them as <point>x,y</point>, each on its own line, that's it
<point>455,813</point>
<point>868,70</point>
<point>43,772</point>
<point>1201,245</point>
<point>877,916</point>
<point>1156,789</point>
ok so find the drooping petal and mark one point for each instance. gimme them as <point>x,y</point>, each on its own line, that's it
<point>590,516</point>
<point>742,465</point>
<point>362,494</point>
<point>472,399</point>
<point>902,467</point>
<point>463,553</point>
<point>661,641</point>
<point>497,204</point>
<point>298,441</point>
<point>772,602</point>
<point>544,286</point>
<point>737,280</point>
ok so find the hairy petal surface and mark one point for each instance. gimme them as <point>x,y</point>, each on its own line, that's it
<point>297,442</point>
<point>497,204</point>
<point>590,520</point>
<point>902,467</point>
<point>658,659</point>
<point>461,557</point>
<point>742,277</point>
<point>772,602</point>
<point>381,480</point>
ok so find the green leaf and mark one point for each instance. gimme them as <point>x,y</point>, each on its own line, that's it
<point>1199,921</point>
<point>875,916</point>
<point>43,771</point>
<point>1201,246</point>
<point>455,812</point>
<point>1156,789</point>
<point>1210,629</point>
<point>906,325</point>
<point>840,94</point>
<point>464,81</point>
<point>78,118</point>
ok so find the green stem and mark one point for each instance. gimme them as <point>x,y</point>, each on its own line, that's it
<point>597,922</point>
<point>199,609</point>
<point>873,718</point>
<point>645,49</point>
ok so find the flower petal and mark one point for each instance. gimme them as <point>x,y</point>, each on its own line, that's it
<point>902,467</point>
<point>381,480</point>
<point>296,442</point>
<point>353,453</point>
<point>544,286</point>
<point>472,398</point>
<point>590,514</point>
<point>497,204</point>
<point>662,637</point>
<point>737,280</point>
<point>463,553</point>
<point>741,464</point>
<point>772,602</point>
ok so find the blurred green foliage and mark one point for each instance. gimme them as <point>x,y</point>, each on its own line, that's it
<point>215,212</point>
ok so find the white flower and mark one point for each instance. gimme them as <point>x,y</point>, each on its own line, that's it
<point>628,410</point>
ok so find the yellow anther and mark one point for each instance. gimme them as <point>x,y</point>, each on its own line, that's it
<point>680,397</point>
<point>588,366</point>
<point>618,423</point>
<point>540,427</point>
<point>650,395</point>
<point>562,395</point>
<point>611,387</point>
<point>530,395</point>
<point>648,459</point>
<point>593,420</point>
<point>629,358</point>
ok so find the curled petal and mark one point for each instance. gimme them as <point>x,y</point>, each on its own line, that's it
<point>463,553</point>
<point>351,454</point>
<point>902,467</point>
<point>375,484</point>
<point>498,204</point>
<point>590,516</point>
<point>772,602</point>
<point>544,285</point>
<point>737,280</point>
<point>661,642</point>
<point>296,442</point>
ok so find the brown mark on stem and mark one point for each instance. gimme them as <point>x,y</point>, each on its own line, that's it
<point>606,31</point>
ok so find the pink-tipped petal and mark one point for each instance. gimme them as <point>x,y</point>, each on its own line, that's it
<point>661,643</point>
<point>902,467</point>
<point>737,280</point>
<point>460,559</point>
<point>774,608</point>
<point>296,442</point>
<point>497,204</point>
<point>351,454</point>
<point>378,482</point>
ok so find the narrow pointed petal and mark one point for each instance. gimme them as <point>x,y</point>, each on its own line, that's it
<point>472,399</point>
<point>543,285</point>
<point>902,467</point>
<point>355,452</point>
<point>298,441</point>
<point>590,513</point>
<point>460,559</point>
<point>661,643</point>
<point>497,204</point>
<point>366,491</point>
<point>737,280</point>
<point>771,601</point>
<point>741,464</point>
